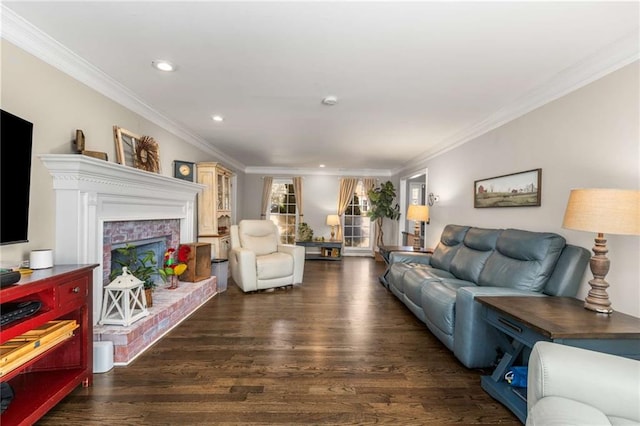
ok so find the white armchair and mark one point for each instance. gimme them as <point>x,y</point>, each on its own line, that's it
<point>572,386</point>
<point>257,259</point>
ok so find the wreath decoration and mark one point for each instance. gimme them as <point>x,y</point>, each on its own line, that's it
<point>147,156</point>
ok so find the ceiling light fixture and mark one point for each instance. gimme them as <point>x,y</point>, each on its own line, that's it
<point>322,165</point>
<point>217,118</point>
<point>163,65</point>
<point>330,100</point>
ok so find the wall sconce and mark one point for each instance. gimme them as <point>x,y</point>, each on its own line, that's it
<point>432,199</point>
<point>418,214</point>
<point>333,220</point>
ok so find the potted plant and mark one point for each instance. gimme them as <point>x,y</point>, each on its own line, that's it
<point>381,201</point>
<point>305,233</point>
<point>142,267</point>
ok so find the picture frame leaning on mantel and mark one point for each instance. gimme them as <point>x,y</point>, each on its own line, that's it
<point>132,150</point>
<point>125,146</point>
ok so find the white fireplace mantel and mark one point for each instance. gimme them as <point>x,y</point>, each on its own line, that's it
<point>90,192</point>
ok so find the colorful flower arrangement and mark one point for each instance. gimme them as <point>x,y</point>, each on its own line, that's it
<point>175,263</point>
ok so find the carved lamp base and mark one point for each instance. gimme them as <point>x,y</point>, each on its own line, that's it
<point>598,300</point>
<point>417,244</point>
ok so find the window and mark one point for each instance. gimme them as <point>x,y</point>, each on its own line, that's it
<point>357,225</point>
<point>282,211</point>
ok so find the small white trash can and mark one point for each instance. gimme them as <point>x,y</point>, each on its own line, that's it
<point>102,356</point>
<point>220,269</point>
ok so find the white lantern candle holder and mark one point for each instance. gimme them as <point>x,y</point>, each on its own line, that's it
<point>124,301</point>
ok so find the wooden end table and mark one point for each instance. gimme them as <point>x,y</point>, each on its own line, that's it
<point>329,250</point>
<point>523,321</point>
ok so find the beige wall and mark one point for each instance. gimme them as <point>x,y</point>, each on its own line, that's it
<point>57,105</point>
<point>589,138</point>
<point>320,199</point>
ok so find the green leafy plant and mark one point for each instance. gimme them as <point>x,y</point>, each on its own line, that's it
<point>142,267</point>
<point>381,200</point>
<point>305,233</point>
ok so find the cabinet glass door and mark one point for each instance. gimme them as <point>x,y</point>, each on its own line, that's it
<point>226,189</point>
<point>220,191</point>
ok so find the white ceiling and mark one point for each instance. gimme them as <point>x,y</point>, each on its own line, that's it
<point>412,78</point>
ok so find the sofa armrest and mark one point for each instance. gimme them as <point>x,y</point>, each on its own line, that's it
<point>243,262</point>
<point>298,253</point>
<point>475,341</point>
<point>409,257</point>
<point>608,383</point>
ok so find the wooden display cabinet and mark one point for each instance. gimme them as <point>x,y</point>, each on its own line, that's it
<point>41,382</point>
<point>214,207</point>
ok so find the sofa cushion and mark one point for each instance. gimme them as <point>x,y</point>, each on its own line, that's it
<point>476,248</point>
<point>259,236</point>
<point>274,265</point>
<point>439,303</point>
<point>450,242</point>
<point>523,260</point>
<point>395,277</point>
<point>414,280</point>
<point>555,410</point>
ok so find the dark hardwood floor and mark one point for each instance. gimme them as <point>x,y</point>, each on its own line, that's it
<point>339,349</point>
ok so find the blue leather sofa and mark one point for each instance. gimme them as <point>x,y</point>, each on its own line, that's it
<point>440,288</point>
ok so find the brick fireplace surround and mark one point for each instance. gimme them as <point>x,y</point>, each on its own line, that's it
<point>91,193</point>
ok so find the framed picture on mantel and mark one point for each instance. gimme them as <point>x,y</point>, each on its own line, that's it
<point>522,189</point>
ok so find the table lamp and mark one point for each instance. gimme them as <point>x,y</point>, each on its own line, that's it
<point>417,213</point>
<point>604,211</point>
<point>333,220</point>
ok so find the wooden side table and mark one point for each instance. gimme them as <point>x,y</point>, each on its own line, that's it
<point>329,250</point>
<point>385,252</point>
<point>523,321</point>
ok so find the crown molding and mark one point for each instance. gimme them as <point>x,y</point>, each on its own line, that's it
<point>23,34</point>
<point>605,61</point>
<point>308,171</point>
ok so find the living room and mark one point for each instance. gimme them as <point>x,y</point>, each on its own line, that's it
<point>584,134</point>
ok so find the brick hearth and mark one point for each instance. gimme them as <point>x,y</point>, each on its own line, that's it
<point>170,308</point>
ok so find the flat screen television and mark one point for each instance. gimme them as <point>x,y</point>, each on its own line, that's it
<point>15,177</point>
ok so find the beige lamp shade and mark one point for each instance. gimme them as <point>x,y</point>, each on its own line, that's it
<point>418,213</point>
<point>333,220</point>
<point>606,211</point>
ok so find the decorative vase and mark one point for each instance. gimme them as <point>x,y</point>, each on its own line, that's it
<point>173,282</point>
<point>148,294</point>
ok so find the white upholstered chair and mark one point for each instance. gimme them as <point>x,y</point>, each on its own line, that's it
<point>574,386</point>
<point>259,261</point>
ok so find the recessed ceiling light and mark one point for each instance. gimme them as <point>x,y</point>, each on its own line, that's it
<point>322,165</point>
<point>163,65</point>
<point>218,118</point>
<point>330,100</point>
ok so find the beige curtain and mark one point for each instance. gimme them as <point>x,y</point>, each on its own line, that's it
<point>347,188</point>
<point>369,184</point>
<point>266,195</point>
<point>297,190</point>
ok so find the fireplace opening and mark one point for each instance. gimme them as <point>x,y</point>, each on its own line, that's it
<point>159,235</point>
<point>149,253</point>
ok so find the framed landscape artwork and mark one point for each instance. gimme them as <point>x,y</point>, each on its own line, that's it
<point>521,189</point>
